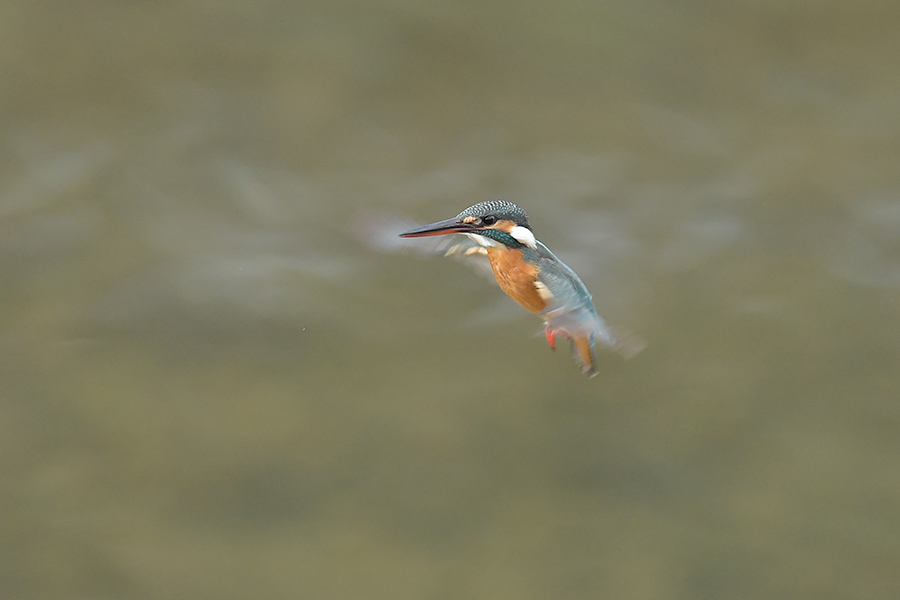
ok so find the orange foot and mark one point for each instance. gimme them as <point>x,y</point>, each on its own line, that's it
<point>551,334</point>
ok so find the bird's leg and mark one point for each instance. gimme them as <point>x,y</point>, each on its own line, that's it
<point>551,334</point>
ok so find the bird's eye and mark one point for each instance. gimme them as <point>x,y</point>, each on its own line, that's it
<point>489,220</point>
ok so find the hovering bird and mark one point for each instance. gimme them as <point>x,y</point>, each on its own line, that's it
<point>532,276</point>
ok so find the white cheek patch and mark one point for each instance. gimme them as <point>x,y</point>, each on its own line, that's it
<point>524,236</point>
<point>481,240</point>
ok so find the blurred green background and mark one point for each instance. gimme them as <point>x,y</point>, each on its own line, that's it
<point>211,388</point>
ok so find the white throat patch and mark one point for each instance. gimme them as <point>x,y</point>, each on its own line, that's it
<point>524,236</point>
<point>481,240</point>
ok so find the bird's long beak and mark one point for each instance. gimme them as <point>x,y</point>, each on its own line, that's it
<point>440,228</point>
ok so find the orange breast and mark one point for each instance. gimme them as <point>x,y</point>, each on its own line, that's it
<point>516,277</point>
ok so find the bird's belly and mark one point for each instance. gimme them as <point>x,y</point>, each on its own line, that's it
<point>517,278</point>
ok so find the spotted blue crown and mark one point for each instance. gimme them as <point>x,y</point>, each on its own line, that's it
<point>502,209</point>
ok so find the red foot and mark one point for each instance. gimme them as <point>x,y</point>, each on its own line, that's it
<point>551,334</point>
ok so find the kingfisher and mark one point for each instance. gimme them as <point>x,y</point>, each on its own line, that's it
<point>532,276</point>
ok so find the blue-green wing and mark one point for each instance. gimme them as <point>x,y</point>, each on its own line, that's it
<point>570,307</point>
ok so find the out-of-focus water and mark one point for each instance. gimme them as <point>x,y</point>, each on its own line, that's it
<point>211,388</point>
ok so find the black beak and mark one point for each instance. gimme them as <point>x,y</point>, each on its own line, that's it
<point>440,228</point>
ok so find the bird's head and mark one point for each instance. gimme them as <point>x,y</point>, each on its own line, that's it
<point>494,221</point>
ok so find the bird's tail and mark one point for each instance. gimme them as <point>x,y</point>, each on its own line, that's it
<point>586,329</point>
<point>583,351</point>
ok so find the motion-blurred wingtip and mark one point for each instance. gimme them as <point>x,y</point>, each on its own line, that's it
<point>628,343</point>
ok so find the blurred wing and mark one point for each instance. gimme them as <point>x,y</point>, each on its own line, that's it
<point>382,232</point>
<point>570,308</point>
